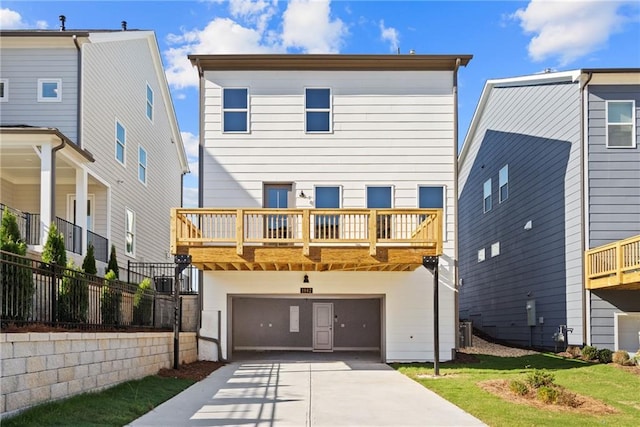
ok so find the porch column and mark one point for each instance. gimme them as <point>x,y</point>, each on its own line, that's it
<point>82,183</point>
<point>46,193</point>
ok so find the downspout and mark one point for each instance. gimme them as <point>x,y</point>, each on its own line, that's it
<point>455,206</point>
<point>583,205</point>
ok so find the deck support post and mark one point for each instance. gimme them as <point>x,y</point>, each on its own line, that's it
<point>182,262</point>
<point>431,264</point>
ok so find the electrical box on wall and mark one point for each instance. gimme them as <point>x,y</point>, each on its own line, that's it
<point>531,312</point>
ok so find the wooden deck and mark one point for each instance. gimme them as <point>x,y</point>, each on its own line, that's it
<point>614,266</point>
<point>307,239</point>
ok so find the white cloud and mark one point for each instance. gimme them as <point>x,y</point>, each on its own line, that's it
<point>12,20</point>
<point>191,145</point>
<point>190,197</point>
<point>569,29</point>
<point>307,25</point>
<point>391,35</point>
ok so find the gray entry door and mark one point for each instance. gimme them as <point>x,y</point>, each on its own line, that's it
<point>322,326</point>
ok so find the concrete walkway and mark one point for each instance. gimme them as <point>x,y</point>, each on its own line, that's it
<point>310,393</point>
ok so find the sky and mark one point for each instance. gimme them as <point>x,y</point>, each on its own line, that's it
<point>506,38</point>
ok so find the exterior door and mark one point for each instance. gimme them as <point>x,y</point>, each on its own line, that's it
<point>322,326</point>
<point>277,196</point>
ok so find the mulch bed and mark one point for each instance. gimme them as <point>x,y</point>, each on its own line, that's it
<point>196,371</point>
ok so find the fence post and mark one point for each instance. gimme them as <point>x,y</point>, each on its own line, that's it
<point>54,293</point>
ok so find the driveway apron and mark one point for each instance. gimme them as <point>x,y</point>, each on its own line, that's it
<point>310,393</point>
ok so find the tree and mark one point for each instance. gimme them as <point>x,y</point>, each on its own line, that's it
<point>113,262</point>
<point>89,263</point>
<point>16,278</point>
<point>110,301</point>
<point>143,303</point>
<point>73,296</point>
<point>54,251</point>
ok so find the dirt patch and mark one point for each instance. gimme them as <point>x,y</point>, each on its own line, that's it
<point>634,369</point>
<point>196,371</point>
<point>580,404</point>
<point>13,328</point>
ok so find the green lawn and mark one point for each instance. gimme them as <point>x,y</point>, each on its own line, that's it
<point>115,406</point>
<point>607,383</point>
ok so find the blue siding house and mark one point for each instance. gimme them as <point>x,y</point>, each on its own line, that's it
<point>549,210</point>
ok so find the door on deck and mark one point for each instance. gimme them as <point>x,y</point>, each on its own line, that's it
<point>322,326</point>
<point>277,196</point>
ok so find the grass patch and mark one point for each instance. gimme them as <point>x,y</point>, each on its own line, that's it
<point>115,406</point>
<point>606,383</point>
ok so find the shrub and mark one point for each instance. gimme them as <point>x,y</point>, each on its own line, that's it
<point>566,398</point>
<point>589,352</point>
<point>620,357</point>
<point>113,262</point>
<point>110,300</point>
<point>604,355</point>
<point>54,251</point>
<point>518,387</point>
<point>540,378</point>
<point>73,296</point>
<point>547,394</point>
<point>143,303</point>
<point>574,351</point>
<point>16,279</point>
<point>89,263</point>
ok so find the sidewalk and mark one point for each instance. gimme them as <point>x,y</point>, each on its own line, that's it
<point>323,393</point>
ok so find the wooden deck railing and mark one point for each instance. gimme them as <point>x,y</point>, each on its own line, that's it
<point>306,227</point>
<point>617,263</point>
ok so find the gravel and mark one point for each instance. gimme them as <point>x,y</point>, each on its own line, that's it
<point>481,346</point>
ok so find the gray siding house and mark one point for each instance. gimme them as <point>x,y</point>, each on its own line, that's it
<point>89,141</point>
<point>549,195</point>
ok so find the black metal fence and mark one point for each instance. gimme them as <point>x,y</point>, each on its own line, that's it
<point>100,246</point>
<point>163,276</point>
<point>37,292</point>
<point>28,224</point>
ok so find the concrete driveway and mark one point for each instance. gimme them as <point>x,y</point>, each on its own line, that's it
<point>348,392</point>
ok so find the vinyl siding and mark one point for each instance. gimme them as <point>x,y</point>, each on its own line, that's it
<point>603,306</point>
<point>23,68</point>
<point>536,131</point>
<point>116,75</point>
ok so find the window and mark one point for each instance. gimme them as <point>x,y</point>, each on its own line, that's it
<point>4,90</point>
<point>149,102</point>
<point>327,226</point>
<point>121,142</point>
<point>487,195</point>
<point>317,104</point>
<point>431,197</point>
<point>49,90</point>
<point>503,181</point>
<point>481,255</point>
<point>620,124</point>
<point>142,165</point>
<point>235,110</point>
<point>495,249</point>
<point>378,197</point>
<point>130,236</point>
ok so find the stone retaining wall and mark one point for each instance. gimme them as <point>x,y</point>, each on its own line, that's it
<point>39,367</point>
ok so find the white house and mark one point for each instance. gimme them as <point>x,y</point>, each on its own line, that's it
<point>324,182</point>
<point>89,140</point>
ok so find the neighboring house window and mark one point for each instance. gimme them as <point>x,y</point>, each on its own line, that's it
<point>130,236</point>
<point>620,124</point>
<point>481,255</point>
<point>4,90</point>
<point>121,142</point>
<point>487,204</point>
<point>49,90</point>
<point>495,249</point>
<point>503,181</point>
<point>327,226</point>
<point>149,103</point>
<point>235,110</point>
<point>142,165</point>
<point>317,106</point>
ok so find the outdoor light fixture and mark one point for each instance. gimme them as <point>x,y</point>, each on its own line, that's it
<point>302,195</point>
<point>306,279</point>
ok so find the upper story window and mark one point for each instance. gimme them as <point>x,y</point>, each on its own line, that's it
<point>327,226</point>
<point>121,142</point>
<point>481,255</point>
<point>130,232</point>
<point>4,90</point>
<point>503,181</point>
<point>142,165</point>
<point>317,105</point>
<point>49,90</point>
<point>430,197</point>
<point>487,202</point>
<point>379,197</point>
<point>235,110</point>
<point>149,102</point>
<point>620,124</point>
<point>327,197</point>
